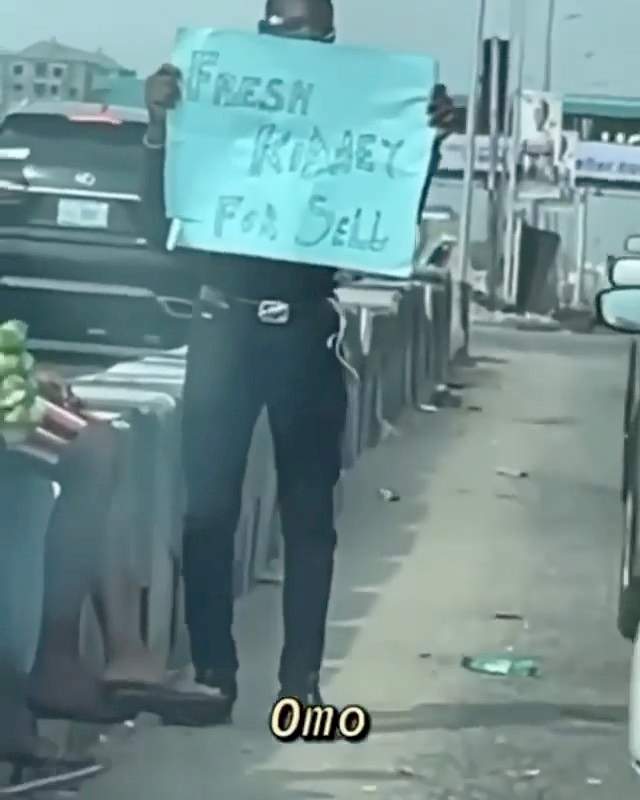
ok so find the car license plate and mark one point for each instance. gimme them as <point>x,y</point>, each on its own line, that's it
<point>83,213</point>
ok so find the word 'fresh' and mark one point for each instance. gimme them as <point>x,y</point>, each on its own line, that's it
<point>206,84</point>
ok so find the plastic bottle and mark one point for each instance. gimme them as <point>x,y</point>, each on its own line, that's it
<point>503,665</point>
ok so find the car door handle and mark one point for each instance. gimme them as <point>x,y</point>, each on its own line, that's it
<point>176,307</point>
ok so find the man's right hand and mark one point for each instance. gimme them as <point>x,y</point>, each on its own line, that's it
<point>161,93</point>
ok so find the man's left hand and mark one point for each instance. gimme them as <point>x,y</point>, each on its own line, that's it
<point>441,111</point>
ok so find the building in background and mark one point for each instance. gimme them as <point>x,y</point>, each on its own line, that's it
<point>3,54</point>
<point>49,70</point>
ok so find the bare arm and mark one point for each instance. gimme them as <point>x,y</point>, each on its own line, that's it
<point>434,163</point>
<point>441,117</point>
<point>156,224</point>
<point>162,93</point>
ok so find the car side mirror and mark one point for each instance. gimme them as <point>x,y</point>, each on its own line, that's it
<point>624,271</point>
<point>632,243</point>
<point>619,309</point>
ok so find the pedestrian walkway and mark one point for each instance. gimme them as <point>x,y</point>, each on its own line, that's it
<point>418,585</point>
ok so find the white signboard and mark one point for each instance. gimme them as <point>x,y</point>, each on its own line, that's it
<point>600,161</point>
<point>550,177</point>
<point>541,125</point>
<point>596,161</point>
<point>541,147</point>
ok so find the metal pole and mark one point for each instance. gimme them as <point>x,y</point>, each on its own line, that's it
<point>492,183</point>
<point>553,224</point>
<point>548,57</point>
<point>535,213</point>
<point>581,247</point>
<point>509,280</point>
<point>509,217</point>
<point>508,253</point>
<point>517,247</point>
<point>493,113</point>
<point>472,114</point>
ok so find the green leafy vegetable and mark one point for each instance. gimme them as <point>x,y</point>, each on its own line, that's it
<point>13,336</point>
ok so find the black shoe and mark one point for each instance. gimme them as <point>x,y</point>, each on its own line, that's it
<point>306,690</point>
<point>222,682</point>
<point>216,693</point>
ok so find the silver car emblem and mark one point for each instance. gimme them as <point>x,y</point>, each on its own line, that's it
<point>273,312</point>
<point>85,179</point>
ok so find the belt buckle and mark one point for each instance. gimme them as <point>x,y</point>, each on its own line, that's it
<point>273,312</point>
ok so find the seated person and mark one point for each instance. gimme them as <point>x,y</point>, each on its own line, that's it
<point>26,502</point>
<point>88,531</point>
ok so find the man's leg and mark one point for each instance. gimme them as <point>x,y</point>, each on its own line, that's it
<point>61,685</point>
<point>307,408</point>
<point>221,406</point>
<point>117,595</point>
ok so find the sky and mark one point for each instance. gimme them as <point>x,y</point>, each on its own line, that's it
<point>139,33</point>
<point>597,52</point>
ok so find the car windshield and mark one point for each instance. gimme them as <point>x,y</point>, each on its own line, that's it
<point>57,141</point>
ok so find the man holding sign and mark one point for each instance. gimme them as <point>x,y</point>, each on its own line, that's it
<point>265,332</point>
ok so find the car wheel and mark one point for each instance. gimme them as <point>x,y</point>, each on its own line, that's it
<point>629,597</point>
<point>629,401</point>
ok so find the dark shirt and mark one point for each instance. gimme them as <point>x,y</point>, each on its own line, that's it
<point>241,276</point>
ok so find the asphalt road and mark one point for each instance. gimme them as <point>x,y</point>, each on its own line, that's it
<point>419,583</point>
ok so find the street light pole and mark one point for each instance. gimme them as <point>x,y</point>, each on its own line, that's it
<point>548,57</point>
<point>470,165</point>
<point>494,193</point>
<point>469,173</point>
<point>511,263</point>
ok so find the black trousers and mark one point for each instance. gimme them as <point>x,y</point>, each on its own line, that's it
<point>236,366</point>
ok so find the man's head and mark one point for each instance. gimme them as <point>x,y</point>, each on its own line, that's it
<point>299,19</point>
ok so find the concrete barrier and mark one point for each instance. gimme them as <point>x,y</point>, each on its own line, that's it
<point>377,310</point>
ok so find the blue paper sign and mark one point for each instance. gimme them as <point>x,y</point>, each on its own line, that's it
<point>298,151</point>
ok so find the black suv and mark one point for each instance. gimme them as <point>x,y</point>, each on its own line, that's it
<point>74,262</point>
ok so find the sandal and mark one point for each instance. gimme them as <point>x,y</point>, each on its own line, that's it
<point>174,707</point>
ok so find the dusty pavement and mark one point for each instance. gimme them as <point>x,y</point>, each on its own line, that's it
<point>418,585</point>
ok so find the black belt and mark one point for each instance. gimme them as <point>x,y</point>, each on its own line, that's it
<point>267,311</point>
